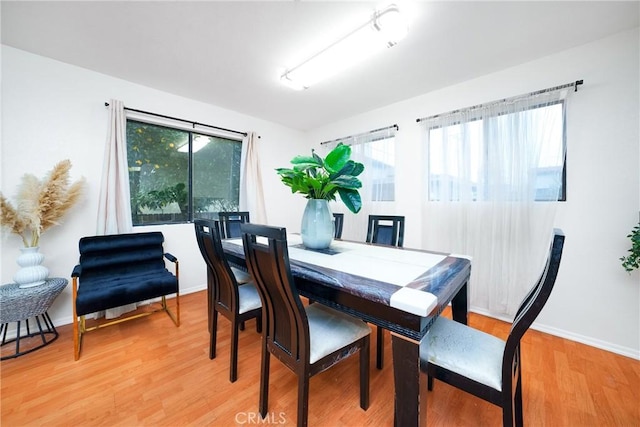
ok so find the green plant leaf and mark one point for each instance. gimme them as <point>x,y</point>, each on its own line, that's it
<point>337,158</point>
<point>351,199</point>
<point>299,160</point>
<point>348,182</point>
<point>316,178</point>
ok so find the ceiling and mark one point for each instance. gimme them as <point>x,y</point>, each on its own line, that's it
<point>229,53</point>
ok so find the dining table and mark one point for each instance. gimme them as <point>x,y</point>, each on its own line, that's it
<point>400,289</point>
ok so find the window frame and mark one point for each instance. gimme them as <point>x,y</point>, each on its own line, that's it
<point>191,133</point>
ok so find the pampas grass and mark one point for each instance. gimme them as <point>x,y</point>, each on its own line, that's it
<point>40,204</point>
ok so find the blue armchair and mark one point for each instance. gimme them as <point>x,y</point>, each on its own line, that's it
<point>120,269</point>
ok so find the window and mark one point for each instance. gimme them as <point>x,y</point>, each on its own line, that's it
<point>501,156</point>
<point>378,156</point>
<point>176,175</point>
<point>376,151</point>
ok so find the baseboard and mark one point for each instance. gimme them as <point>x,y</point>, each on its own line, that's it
<point>582,339</point>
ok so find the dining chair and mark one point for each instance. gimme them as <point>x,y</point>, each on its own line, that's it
<point>308,340</point>
<point>230,223</point>
<point>237,303</point>
<point>337,224</point>
<point>384,230</point>
<point>482,364</point>
<point>229,227</point>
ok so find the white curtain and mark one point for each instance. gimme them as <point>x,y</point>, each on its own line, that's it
<point>251,191</point>
<point>376,151</point>
<point>114,208</point>
<point>495,174</point>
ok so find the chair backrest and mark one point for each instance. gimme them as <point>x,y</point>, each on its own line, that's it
<point>230,223</point>
<point>386,230</point>
<point>209,242</point>
<point>536,298</point>
<point>132,252</point>
<point>285,322</point>
<point>338,220</point>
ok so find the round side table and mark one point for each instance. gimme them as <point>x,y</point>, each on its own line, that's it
<point>21,304</point>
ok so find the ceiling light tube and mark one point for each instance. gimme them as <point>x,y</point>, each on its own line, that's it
<point>384,29</point>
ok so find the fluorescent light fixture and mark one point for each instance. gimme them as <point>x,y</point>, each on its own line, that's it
<point>199,142</point>
<point>384,29</point>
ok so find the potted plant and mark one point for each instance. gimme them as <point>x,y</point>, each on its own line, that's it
<point>319,180</point>
<point>40,205</point>
<point>632,261</point>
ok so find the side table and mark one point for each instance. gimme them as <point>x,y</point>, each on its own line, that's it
<point>20,304</point>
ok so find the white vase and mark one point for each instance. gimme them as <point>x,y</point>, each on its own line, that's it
<point>31,272</point>
<point>317,225</point>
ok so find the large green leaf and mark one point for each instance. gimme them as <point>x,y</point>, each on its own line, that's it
<point>351,168</point>
<point>337,158</point>
<point>351,199</point>
<point>348,182</point>
<point>298,160</point>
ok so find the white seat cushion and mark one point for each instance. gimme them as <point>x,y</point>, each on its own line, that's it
<point>466,351</point>
<point>242,276</point>
<point>331,330</point>
<point>249,298</point>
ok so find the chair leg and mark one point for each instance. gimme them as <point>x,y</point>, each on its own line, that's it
<point>519,419</point>
<point>213,334</point>
<point>364,374</point>
<point>303,398</point>
<point>429,382</point>
<point>233,373</point>
<point>264,381</point>
<point>507,407</point>
<point>76,339</point>
<point>379,347</point>
<point>259,324</point>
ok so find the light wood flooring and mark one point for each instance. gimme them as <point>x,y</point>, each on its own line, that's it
<point>147,372</point>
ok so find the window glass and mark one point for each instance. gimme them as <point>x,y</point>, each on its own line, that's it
<point>168,185</point>
<point>463,156</point>
<point>378,157</point>
<point>216,175</point>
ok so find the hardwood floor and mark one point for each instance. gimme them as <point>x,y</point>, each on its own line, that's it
<point>148,372</point>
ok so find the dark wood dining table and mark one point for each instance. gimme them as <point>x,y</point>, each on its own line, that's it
<point>361,279</point>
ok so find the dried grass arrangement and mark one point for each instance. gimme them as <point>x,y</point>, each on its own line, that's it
<point>40,204</point>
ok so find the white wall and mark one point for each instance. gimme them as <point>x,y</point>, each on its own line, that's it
<point>52,111</point>
<point>594,301</point>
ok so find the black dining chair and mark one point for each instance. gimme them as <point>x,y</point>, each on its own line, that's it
<point>230,223</point>
<point>237,303</point>
<point>229,227</point>
<point>384,230</point>
<point>308,340</point>
<point>482,364</point>
<point>338,221</point>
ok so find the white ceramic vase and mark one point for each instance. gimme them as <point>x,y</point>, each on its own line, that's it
<point>317,225</point>
<point>31,272</point>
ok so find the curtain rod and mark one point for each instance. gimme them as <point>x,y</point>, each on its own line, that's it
<point>361,134</point>
<point>538,92</point>
<point>106,104</point>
